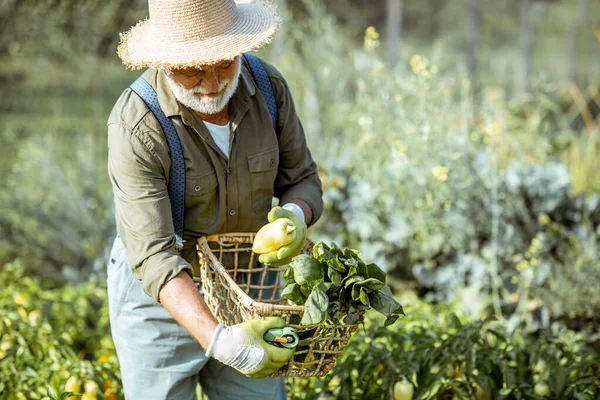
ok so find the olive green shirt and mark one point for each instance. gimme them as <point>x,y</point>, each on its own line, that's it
<point>223,194</point>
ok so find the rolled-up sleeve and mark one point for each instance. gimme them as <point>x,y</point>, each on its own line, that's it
<point>143,208</point>
<point>297,177</point>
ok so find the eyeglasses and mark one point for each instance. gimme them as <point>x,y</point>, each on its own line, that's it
<point>198,70</point>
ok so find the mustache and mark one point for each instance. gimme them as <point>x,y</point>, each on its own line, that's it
<point>200,90</point>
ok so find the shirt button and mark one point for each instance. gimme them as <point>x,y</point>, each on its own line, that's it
<point>229,171</point>
<point>272,162</point>
<point>197,188</point>
<point>232,212</point>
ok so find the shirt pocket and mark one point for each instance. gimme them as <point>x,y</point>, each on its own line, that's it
<point>263,171</point>
<point>201,198</point>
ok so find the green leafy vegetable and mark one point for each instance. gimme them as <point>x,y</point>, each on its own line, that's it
<point>307,270</point>
<point>294,294</point>
<point>315,307</point>
<point>384,302</point>
<point>337,285</point>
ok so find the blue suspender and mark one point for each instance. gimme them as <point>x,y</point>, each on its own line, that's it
<point>264,86</point>
<point>176,185</point>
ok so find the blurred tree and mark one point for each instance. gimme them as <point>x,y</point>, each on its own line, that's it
<point>280,38</point>
<point>394,30</point>
<point>572,52</point>
<point>527,46</point>
<point>473,39</point>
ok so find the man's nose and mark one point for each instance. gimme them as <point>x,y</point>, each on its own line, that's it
<point>211,83</point>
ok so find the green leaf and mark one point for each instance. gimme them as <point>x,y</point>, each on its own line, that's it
<point>294,294</point>
<point>383,301</point>
<point>334,310</point>
<point>371,284</point>
<point>305,290</point>
<point>324,286</point>
<point>315,308</point>
<point>288,275</point>
<point>353,279</point>
<point>52,393</point>
<point>307,270</point>
<point>373,271</point>
<point>321,252</point>
<point>349,262</point>
<point>352,253</point>
<point>351,318</point>
<point>337,264</point>
<point>335,277</point>
<point>364,297</point>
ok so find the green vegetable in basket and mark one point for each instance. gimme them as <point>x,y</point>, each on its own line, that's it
<point>335,285</point>
<point>307,270</point>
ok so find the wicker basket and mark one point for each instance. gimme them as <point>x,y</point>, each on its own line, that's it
<point>238,288</point>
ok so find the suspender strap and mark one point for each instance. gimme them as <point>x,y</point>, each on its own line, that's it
<point>264,86</point>
<point>176,185</point>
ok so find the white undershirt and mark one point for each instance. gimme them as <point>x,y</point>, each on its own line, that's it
<point>220,134</point>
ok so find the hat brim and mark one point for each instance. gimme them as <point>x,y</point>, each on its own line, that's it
<point>254,27</point>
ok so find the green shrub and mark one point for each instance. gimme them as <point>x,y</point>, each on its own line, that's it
<point>49,335</point>
<point>445,355</point>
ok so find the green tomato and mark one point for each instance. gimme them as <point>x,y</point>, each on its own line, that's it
<point>542,389</point>
<point>434,370</point>
<point>403,390</point>
<point>540,367</point>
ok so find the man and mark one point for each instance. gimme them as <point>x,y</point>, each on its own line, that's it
<point>235,162</point>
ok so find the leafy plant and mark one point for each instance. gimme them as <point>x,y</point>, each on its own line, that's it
<point>444,353</point>
<point>335,284</point>
<point>51,338</point>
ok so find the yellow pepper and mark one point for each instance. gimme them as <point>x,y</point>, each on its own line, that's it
<point>274,235</point>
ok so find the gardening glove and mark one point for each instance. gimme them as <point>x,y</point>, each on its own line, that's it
<point>242,347</point>
<point>283,237</point>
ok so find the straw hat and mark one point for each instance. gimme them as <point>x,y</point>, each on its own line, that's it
<point>188,33</point>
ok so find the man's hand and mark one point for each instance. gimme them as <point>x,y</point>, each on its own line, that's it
<point>284,254</point>
<point>242,347</point>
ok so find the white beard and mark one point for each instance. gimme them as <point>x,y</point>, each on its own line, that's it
<point>206,104</point>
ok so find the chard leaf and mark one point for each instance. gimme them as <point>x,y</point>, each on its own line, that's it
<point>350,263</point>
<point>352,253</point>
<point>321,252</point>
<point>383,301</point>
<point>352,316</point>
<point>351,319</point>
<point>307,270</point>
<point>324,286</point>
<point>335,249</point>
<point>352,279</point>
<point>288,275</point>
<point>373,271</point>
<point>371,284</point>
<point>334,310</point>
<point>315,308</point>
<point>335,276</point>
<point>337,264</point>
<point>294,294</point>
<point>364,297</point>
<point>391,319</point>
<point>305,290</point>
<point>355,292</point>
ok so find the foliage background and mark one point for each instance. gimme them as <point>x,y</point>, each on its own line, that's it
<point>467,185</point>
